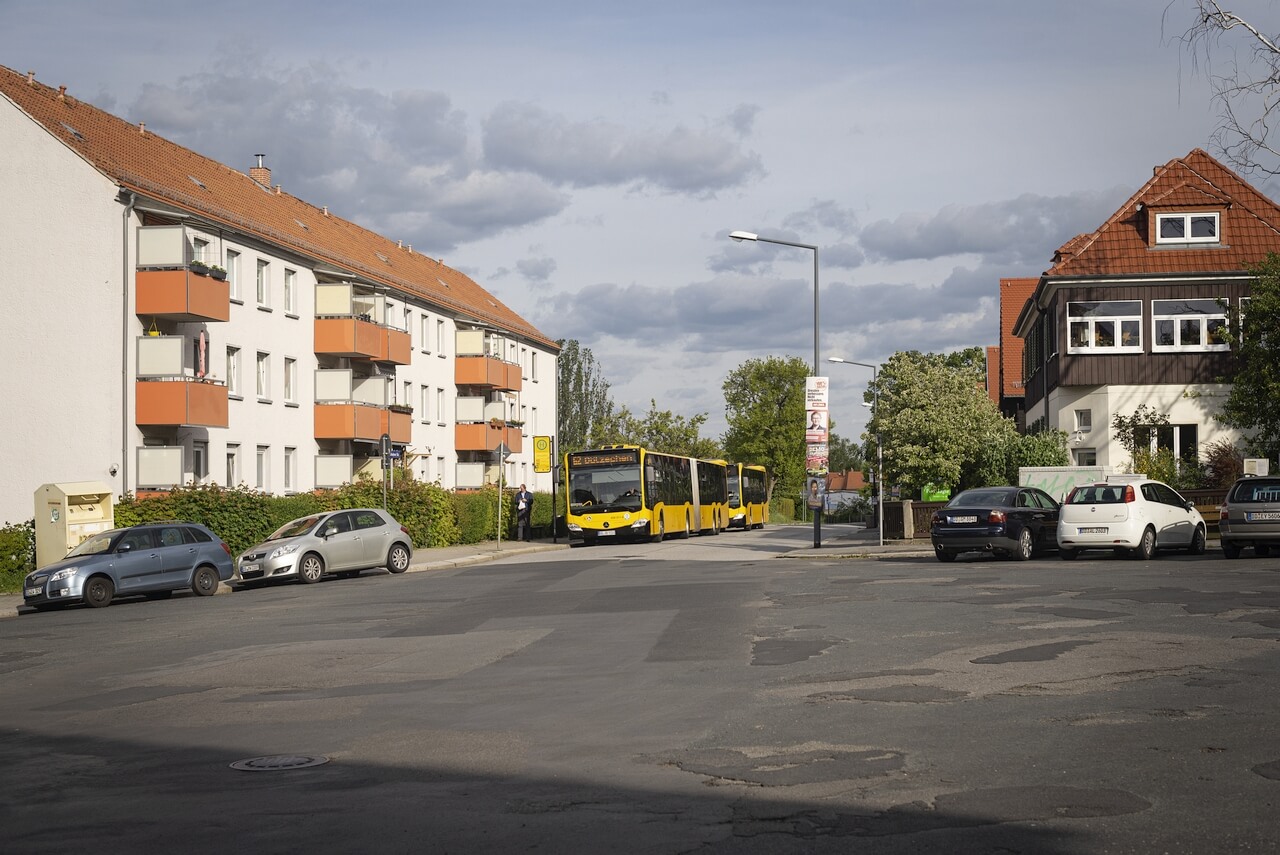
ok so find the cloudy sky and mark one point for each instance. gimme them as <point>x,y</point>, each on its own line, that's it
<point>585,161</point>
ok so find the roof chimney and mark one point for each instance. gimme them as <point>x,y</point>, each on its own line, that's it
<point>31,78</point>
<point>62,93</point>
<point>260,173</point>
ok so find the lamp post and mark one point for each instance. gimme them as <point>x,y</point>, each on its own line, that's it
<point>752,236</point>
<point>875,413</point>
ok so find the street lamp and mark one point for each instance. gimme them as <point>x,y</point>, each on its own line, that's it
<point>875,413</point>
<point>752,236</point>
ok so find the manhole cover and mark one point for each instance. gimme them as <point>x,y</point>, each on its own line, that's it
<point>278,763</point>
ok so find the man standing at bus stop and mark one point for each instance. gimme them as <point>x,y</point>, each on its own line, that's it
<point>524,511</point>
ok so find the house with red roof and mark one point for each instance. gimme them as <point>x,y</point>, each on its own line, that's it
<point>172,319</point>
<point>1134,313</point>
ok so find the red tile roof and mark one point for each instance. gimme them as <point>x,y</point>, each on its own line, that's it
<point>1014,294</point>
<point>1249,227</point>
<point>845,481</point>
<point>151,165</point>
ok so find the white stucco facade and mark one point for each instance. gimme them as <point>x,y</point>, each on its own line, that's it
<point>72,336</point>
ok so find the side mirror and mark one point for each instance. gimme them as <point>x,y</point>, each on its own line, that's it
<point>331,530</point>
<point>1190,505</point>
<point>124,547</point>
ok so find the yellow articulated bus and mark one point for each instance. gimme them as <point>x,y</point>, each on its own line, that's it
<point>626,492</point>
<point>748,496</point>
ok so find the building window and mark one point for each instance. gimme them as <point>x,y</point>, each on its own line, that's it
<point>263,460</point>
<point>408,320</point>
<point>199,461</point>
<point>264,283</point>
<point>200,250</point>
<point>1188,325</point>
<point>424,404</point>
<point>1085,456</point>
<point>233,373</point>
<point>233,273</point>
<point>425,333</point>
<point>264,376</point>
<point>440,479</point>
<point>290,467</point>
<point>1180,440</point>
<point>1187,228</point>
<point>533,420</point>
<point>408,394</point>
<point>440,406</point>
<point>290,380</point>
<point>1084,420</point>
<point>533,366</point>
<point>440,336</point>
<point>233,465</point>
<point>1108,326</point>
<point>291,291</point>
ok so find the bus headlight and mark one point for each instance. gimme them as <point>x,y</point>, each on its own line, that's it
<point>575,527</point>
<point>640,524</point>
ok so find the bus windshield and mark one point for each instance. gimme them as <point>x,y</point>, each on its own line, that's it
<point>604,487</point>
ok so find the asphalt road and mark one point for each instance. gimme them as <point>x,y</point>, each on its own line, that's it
<point>699,696</point>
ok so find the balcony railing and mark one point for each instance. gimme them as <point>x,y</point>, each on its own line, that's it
<point>398,426</point>
<point>349,421</point>
<point>487,371</point>
<point>487,436</point>
<point>361,338</point>
<point>180,402</point>
<point>182,295</point>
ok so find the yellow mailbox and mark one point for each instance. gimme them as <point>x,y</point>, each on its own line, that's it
<point>68,513</point>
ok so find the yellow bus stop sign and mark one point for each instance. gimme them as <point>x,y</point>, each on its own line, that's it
<point>542,454</point>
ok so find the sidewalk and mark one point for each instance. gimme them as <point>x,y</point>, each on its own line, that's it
<point>854,540</point>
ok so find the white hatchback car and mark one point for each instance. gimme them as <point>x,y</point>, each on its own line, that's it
<point>1130,514</point>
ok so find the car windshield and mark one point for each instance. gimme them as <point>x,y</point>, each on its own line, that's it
<point>94,545</point>
<point>981,499</point>
<point>296,528</point>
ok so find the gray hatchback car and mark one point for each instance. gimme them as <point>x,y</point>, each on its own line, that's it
<point>1250,516</point>
<point>153,559</point>
<point>341,543</point>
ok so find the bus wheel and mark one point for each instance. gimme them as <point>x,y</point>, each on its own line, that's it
<point>688,529</point>
<point>662,531</point>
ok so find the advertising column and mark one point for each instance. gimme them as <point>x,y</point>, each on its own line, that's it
<point>816,436</point>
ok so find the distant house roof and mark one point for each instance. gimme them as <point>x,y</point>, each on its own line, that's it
<point>139,160</point>
<point>845,481</point>
<point>1014,294</point>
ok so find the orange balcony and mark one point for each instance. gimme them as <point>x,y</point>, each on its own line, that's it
<point>486,437</point>
<point>395,346</point>
<point>398,426</point>
<point>182,295</point>
<point>486,371</point>
<point>349,421</point>
<point>180,402</point>
<point>350,337</point>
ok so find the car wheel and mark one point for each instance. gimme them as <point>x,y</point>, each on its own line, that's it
<point>1026,545</point>
<point>945,555</point>
<point>1196,547</point>
<point>1231,550</point>
<point>204,581</point>
<point>311,568</point>
<point>98,592</point>
<point>1262,550</point>
<point>1146,549</point>
<point>1067,554</point>
<point>397,558</point>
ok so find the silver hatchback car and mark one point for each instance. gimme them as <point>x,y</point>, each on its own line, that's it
<point>341,543</point>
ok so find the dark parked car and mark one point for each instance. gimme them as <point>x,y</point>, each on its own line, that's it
<point>338,542</point>
<point>1007,521</point>
<point>1250,516</point>
<point>154,559</point>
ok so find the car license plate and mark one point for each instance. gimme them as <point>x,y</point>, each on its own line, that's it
<point>964,519</point>
<point>1093,530</point>
<point>32,592</point>
<point>248,568</point>
<point>1260,516</point>
<point>605,534</point>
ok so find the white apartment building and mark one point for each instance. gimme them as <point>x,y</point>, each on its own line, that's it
<point>127,362</point>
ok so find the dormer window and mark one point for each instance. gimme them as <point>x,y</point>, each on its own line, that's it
<point>1187,228</point>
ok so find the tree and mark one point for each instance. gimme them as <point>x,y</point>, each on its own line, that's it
<point>1248,82</point>
<point>937,425</point>
<point>583,401</point>
<point>1134,432</point>
<point>764,407</point>
<point>844,455</point>
<point>660,430</point>
<point>1253,406</point>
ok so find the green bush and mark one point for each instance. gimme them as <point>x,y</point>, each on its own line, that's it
<point>782,510</point>
<point>17,555</point>
<point>477,515</point>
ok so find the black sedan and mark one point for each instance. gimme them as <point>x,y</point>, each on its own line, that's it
<point>1012,522</point>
